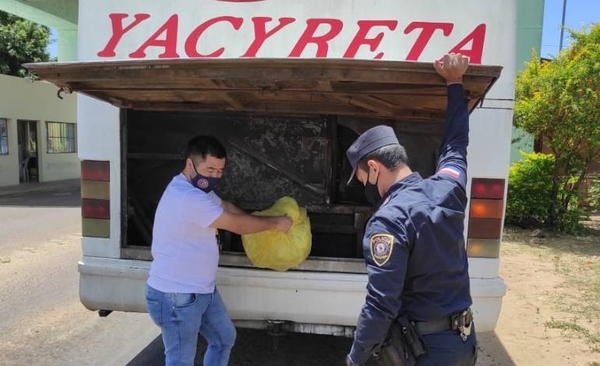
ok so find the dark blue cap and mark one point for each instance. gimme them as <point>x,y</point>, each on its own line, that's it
<point>368,142</point>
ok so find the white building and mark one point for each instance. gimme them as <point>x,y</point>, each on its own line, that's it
<point>38,132</point>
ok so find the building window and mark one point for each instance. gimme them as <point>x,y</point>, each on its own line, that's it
<point>61,138</point>
<point>3,136</point>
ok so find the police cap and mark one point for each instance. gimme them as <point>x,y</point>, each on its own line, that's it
<point>373,139</point>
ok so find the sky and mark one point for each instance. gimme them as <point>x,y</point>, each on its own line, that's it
<point>579,13</point>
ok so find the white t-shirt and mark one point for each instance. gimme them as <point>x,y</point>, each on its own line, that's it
<point>184,247</point>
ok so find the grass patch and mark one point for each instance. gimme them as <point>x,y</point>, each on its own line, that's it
<point>575,328</point>
<point>571,328</point>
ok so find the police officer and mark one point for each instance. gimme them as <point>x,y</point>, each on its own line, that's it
<point>414,246</point>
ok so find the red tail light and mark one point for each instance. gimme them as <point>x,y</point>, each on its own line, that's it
<point>487,188</point>
<point>95,209</point>
<point>95,170</point>
<point>95,198</point>
<point>485,217</point>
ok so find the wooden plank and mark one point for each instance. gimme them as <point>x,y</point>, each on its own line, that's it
<point>115,87</point>
<point>212,97</point>
<point>227,97</point>
<point>271,64</point>
<point>472,84</point>
<point>256,71</point>
<point>371,102</point>
<point>346,104</point>
<point>374,88</point>
<point>378,106</point>
<point>301,108</point>
<point>325,85</point>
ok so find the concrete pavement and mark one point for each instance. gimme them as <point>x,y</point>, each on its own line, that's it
<point>41,316</point>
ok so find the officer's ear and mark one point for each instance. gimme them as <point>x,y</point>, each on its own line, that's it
<point>373,166</point>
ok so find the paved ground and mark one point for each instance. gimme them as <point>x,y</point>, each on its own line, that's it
<point>42,320</point>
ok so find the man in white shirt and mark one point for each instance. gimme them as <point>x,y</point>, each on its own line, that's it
<point>180,294</point>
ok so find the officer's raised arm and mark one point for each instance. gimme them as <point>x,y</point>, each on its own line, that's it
<point>453,150</point>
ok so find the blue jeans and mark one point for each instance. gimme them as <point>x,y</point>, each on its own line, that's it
<point>181,317</point>
<point>448,349</point>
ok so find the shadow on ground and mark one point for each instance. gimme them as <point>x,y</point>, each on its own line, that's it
<point>65,198</point>
<point>492,352</point>
<point>256,347</point>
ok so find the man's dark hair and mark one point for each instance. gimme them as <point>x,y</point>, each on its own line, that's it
<point>203,146</point>
<point>392,157</point>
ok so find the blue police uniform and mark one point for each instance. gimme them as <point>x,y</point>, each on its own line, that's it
<point>414,248</point>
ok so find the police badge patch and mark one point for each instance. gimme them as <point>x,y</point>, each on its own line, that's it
<point>381,248</point>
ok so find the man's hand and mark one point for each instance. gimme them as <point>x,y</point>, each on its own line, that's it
<point>283,223</point>
<point>452,68</point>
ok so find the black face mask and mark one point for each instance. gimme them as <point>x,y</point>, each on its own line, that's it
<point>371,191</point>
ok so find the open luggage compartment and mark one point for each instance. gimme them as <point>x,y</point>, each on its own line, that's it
<point>286,124</point>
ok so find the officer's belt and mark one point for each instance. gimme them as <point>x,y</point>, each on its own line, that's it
<point>434,326</point>
<point>441,324</point>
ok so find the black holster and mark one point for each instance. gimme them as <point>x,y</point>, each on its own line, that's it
<point>403,345</point>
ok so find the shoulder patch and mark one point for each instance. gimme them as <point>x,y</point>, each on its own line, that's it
<point>381,248</point>
<point>454,173</point>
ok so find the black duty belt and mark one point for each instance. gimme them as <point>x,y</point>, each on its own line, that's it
<point>453,322</point>
<point>434,326</point>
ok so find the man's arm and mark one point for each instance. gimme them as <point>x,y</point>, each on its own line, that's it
<point>209,212</point>
<point>453,150</point>
<point>243,224</point>
<point>386,252</point>
<point>231,208</point>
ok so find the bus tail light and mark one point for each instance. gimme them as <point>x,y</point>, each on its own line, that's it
<point>485,217</point>
<point>95,209</point>
<point>487,188</point>
<point>95,198</point>
<point>95,171</point>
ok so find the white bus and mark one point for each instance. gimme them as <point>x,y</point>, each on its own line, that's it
<point>286,87</point>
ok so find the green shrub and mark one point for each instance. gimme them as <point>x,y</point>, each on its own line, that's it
<point>594,193</point>
<point>530,196</point>
<point>570,221</point>
<point>529,190</point>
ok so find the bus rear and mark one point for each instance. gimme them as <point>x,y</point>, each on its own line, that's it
<point>287,88</point>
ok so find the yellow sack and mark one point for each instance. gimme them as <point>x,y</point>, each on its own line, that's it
<point>274,249</point>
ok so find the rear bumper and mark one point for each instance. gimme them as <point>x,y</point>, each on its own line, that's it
<point>250,294</point>
<point>299,297</point>
<point>254,297</point>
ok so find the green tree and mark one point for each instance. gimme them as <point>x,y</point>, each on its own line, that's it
<point>21,41</point>
<point>559,101</point>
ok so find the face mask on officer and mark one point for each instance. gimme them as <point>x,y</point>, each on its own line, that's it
<point>206,184</point>
<point>371,190</point>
